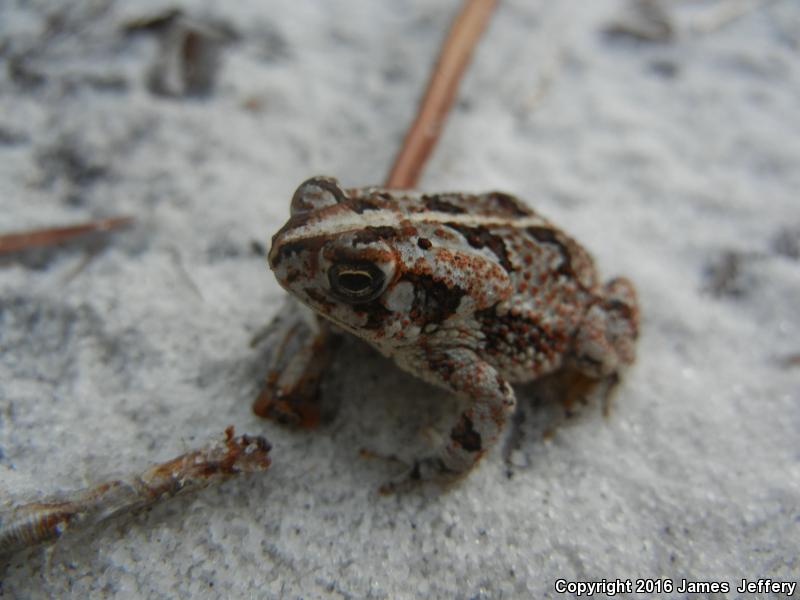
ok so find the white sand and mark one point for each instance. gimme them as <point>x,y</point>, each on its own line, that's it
<point>661,158</point>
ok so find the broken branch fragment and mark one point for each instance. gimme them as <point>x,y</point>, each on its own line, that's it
<point>189,58</point>
<point>28,524</point>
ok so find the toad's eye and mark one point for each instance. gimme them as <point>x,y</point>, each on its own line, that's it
<point>356,282</point>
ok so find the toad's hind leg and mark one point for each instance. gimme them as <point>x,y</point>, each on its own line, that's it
<point>605,343</point>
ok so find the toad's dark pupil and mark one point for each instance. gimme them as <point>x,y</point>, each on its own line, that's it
<point>355,281</point>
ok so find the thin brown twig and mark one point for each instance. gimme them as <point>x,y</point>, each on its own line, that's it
<point>442,86</point>
<point>38,238</point>
<point>29,524</point>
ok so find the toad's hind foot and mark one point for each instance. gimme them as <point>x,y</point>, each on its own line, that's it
<point>606,342</point>
<point>580,388</point>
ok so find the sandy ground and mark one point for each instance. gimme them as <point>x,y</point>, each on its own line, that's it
<point>676,161</point>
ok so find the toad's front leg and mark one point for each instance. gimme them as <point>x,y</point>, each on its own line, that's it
<point>302,345</point>
<point>489,398</point>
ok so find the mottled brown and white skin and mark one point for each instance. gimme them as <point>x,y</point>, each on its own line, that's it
<point>468,292</point>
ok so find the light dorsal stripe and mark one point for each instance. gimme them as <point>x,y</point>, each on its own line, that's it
<point>344,221</point>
